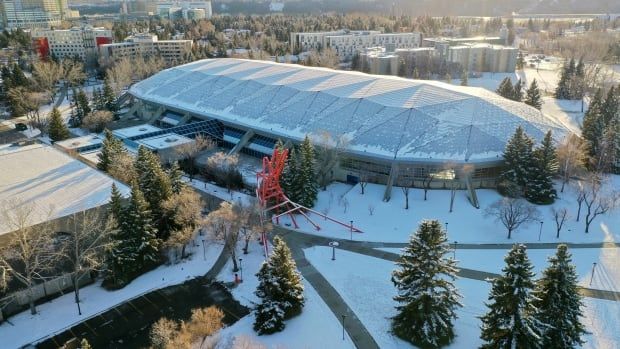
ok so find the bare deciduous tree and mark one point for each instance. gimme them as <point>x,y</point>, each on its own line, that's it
<point>363,180</point>
<point>189,151</point>
<point>328,151</point>
<point>560,216</point>
<point>371,209</point>
<point>97,120</point>
<point>598,201</point>
<point>84,245</point>
<point>426,184</point>
<point>570,153</point>
<point>224,224</point>
<point>512,213</point>
<point>580,188</point>
<point>122,167</point>
<point>405,186</point>
<point>29,253</point>
<point>252,224</point>
<point>47,74</point>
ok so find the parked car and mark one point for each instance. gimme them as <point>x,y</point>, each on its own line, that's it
<point>20,126</point>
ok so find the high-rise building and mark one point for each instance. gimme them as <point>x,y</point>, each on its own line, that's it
<point>32,13</point>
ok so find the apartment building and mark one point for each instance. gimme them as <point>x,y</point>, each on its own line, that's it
<point>347,43</point>
<point>33,13</point>
<point>484,57</point>
<point>191,10</point>
<point>75,42</point>
<point>147,45</point>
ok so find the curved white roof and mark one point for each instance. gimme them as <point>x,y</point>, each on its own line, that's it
<point>382,116</point>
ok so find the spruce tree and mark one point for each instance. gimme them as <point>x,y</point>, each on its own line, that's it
<point>307,183</point>
<point>426,295</point>
<point>559,303</point>
<point>506,89</point>
<point>280,289</point>
<point>593,126</point>
<point>517,93</point>
<point>176,178</point>
<point>518,159</point>
<point>511,320</point>
<point>520,61</point>
<point>540,185</point>
<point>136,246</point>
<point>563,91</point>
<point>110,148</point>
<point>290,174</point>
<point>116,204</point>
<point>82,106</point>
<point>532,96</point>
<point>109,98</point>
<point>610,106</point>
<point>57,128</point>
<point>154,183</point>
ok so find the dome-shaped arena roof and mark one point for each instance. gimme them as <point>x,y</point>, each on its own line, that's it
<point>383,116</point>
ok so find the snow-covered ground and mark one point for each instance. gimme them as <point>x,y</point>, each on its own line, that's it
<point>489,81</point>
<point>315,327</point>
<point>369,294</point>
<point>390,222</point>
<point>220,192</point>
<point>61,313</point>
<point>606,272</point>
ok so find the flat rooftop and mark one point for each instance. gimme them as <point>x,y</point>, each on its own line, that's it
<point>51,181</point>
<point>165,141</point>
<point>79,142</point>
<point>135,131</point>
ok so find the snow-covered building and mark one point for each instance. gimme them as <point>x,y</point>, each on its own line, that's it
<point>398,129</point>
<point>55,184</point>
<point>74,42</point>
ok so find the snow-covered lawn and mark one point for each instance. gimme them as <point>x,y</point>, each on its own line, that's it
<point>567,112</point>
<point>316,327</point>
<point>606,272</point>
<point>220,192</point>
<point>61,313</point>
<point>364,283</point>
<point>489,81</point>
<point>390,222</point>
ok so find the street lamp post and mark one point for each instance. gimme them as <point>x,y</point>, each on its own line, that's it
<point>333,245</point>
<point>540,231</point>
<point>204,250</point>
<point>343,317</point>
<point>241,268</point>
<point>446,228</point>
<point>351,226</point>
<point>454,251</point>
<point>592,276</point>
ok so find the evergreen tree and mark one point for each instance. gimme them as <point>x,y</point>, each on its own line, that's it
<point>290,174</point>
<point>18,78</point>
<point>517,94</point>
<point>136,246</point>
<point>506,89</point>
<point>520,61</point>
<point>280,289</point>
<point>154,183</point>
<point>593,126</point>
<point>610,106</point>
<point>518,159</point>
<point>559,304</point>
<point>110,147</point>
<point>57,129</point>
<point>176,178</point>
<point>84,344</point>
<point>116,204</point>
<point>532,96</point>
<point>98,102</point>
<point>109,99</point>
<point>307,184</point>
<point>540,185</point>
<point>426,295</point>
<point>82,107</point>
<point>562,91</point>
<point>511,320</point>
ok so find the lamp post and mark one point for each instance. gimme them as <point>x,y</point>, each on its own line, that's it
<point>204,250</point>
<point>351,226</point>
<point>343,317</point>
<point>241,268</point>
<point>592,276</point>
<point>446,228</point>
<point>454,251</point>
<point>333,245</point>
<point>540,231</point>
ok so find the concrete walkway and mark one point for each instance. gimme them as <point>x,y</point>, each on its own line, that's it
<point>354,327</point>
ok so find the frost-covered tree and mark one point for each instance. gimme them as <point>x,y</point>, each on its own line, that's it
<point>135,246</point>
<point>559,304</point>
<point>506,89</point>
<point>154,183</point>
<point>593,127</point>
<point>426,295</point>
<point>512,213</point>
<point>511,320</point>
<point>540,185</point>
<point>110,148</point>
<point>280,289</point>
<point>611,105</point>
<point>532,96</point>
<point>518,159</point>
<point>176,178</point>
<point>307,184</point>
<point>517,94</point>
<point>57,128</point>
